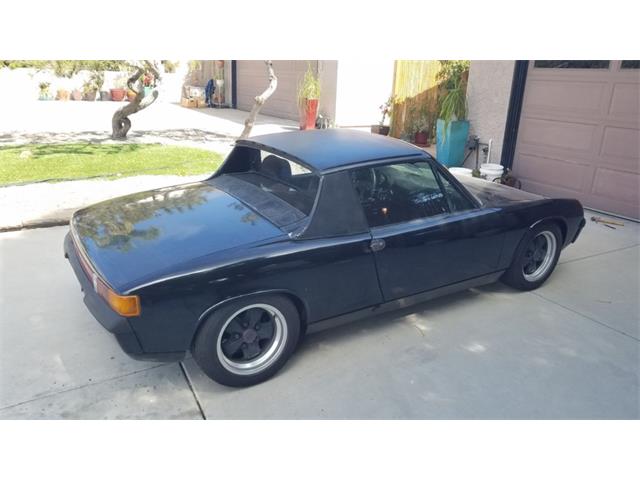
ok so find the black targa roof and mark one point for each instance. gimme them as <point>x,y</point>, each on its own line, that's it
<point>334,148</point>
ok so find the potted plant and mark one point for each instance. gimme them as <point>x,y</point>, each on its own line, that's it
<point>92,86</point>
<point>452,128</point>
<point>62,94</point>
<point>44,91</point>
<point>421,125</point>
<point>76,94</point>
<point>386,109</point>
<point>118,92</point>
<point>88,91</point>
<point>148,83</point>
<point>308,96</point>
<point>131,95</point>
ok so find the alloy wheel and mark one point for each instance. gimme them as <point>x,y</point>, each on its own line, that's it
<point>252,339</point>
<point>539,256</point>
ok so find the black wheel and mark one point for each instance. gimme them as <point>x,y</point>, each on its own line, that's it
<point>248,341</point>
<point>535,258</point>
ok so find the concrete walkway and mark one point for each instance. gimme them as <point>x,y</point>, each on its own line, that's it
<point>46,204</point>
<point>567,350</point>
<point>166,123</point>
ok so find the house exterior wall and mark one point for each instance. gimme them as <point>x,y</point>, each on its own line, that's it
<point>488,93</point>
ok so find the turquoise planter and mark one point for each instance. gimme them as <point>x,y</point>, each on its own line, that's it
<point>450,147</point>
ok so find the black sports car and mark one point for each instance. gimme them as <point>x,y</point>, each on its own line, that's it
<point>296,229</point>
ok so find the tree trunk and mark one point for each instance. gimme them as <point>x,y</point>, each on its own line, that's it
<point>120,123</point>
<point>260,99</point>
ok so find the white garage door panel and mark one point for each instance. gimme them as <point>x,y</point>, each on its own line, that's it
<point>252,80</point>
<point>576,137</point>
<point>577,97</point>
<point>621,147</point>
<point>579,136</point>
<point>569,175</point>
<point>626,102</point>
<point>615,185</point>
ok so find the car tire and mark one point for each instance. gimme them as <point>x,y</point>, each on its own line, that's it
<point>247,341</point>
<point>535,258</point>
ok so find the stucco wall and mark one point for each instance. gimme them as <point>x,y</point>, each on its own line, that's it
<point>488,94</point>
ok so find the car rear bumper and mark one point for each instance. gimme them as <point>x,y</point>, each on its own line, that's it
<point>119,326</point>
<point>110,320</point>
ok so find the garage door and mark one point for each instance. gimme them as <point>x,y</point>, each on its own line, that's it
<point>252,80</point>
<point>579,133</point>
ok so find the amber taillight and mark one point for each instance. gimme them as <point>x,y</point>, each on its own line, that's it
<point>125,305</point>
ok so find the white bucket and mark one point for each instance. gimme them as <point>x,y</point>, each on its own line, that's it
<point>491,171</point>
<point>460,171</point>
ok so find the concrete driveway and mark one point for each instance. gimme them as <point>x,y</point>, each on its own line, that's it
<point>567,350</point>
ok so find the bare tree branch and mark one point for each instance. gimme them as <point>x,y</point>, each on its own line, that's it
<point>260,99</point>
<point>120,123</point>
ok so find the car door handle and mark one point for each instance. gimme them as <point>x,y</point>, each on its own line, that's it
<point>377,244</point>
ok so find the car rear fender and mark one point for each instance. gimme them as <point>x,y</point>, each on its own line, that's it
<point>300,304</point>
<point>561,222</point>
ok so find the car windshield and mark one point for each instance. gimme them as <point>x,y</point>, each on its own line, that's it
<point>290,181</point>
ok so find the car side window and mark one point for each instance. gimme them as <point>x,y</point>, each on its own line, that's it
<point>399,192</point>
<point>457,201</point>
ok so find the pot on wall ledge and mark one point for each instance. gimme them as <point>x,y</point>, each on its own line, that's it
<point>421,138</point>
<point>76,95</point>
<point>308,114</point>
<point>105,96</point>
<point>380,129</point>
<point>62,94</point>
<point>450,144</point>
<point>118,94</point>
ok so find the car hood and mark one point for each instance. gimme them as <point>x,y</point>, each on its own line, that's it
<point>493,194</point>
<point>136,238</point>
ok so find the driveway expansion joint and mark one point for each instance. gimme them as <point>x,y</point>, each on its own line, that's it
<point>193,392</point>
<point>539,295</point>
<point>599,254</point>
<point>79,387</point>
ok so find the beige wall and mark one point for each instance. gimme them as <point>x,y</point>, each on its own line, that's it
<point>488,95</point>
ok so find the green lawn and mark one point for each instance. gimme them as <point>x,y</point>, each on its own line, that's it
<point>57,162</point>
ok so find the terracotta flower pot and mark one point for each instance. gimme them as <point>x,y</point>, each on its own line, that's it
<point>89,96</point>
<point>131,95</point>
<point>118,94</point>
<point>309,114</point>
<point>62,94</point>
<point>421,138</point>
<point>76,95</point>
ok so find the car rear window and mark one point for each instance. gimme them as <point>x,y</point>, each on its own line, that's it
<point>274,175</point>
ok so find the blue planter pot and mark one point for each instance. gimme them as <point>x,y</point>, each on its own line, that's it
<point>450,147</point>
